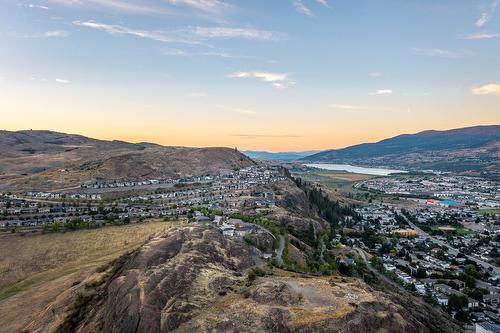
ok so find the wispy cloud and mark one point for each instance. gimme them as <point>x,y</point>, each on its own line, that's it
<point>222,54</point>
<point>117,5</point>
<point>487,89</point>
<point>56,33</point>
<point>229,33</point>
<point>38,79</point>
<point>46,34</point>
<point>209,6</point>
<point>278,80</point>
<point>482,20</point>
<point>240,110</point>
<point>192,35</point>
<point>62,81</point>
<point>480,35</point>
<point>218,54</point>
<point>176,53</point>
<point>440,53</point>
<point>33,6</point>
<point>301,7</point>
<point>41,79</point>
<point>487,13</point>
<point>381,92</point>
<point>362,108</point>
<point>375,74</point>
<point>122,30</point>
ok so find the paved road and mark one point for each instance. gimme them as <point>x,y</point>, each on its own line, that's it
<point>45,201</point>
<point>453,250</point>
<point>376,272</point>
<point>279,250</point>
<point>322,254</point>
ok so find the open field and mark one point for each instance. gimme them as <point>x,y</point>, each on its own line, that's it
<point>347,176</point>
<point>477,227</point>
<point>336,180</point>
<point>489,211</point>
<point>339,183</point>
<point>36,270</point>
<point>445,229</point>
<point>32,259</point>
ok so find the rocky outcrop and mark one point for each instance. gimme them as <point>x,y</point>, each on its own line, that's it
<point>192,279</point>
<point>167,282</point>
<point>298,304</point>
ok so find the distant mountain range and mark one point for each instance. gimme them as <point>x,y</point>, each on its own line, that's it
<point>472,149</point>
<point>45,160</point>
<point>280,156</point>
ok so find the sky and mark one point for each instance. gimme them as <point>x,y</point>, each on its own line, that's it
<point>276,75</point>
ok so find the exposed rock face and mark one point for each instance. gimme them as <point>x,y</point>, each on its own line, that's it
<point>274,293</point>
<point>169,280</point>
<point>192,280</point>
<point>294,304</point>
<point>264,241</point>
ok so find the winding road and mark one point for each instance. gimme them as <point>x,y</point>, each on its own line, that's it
<point>376,272</point>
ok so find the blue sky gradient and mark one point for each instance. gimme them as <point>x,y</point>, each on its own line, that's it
<point>263,74</point>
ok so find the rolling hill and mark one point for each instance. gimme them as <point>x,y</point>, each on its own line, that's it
<point>45,160</point>
<point>472,149</point>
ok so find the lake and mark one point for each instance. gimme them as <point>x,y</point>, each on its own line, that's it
<point>355,169</point>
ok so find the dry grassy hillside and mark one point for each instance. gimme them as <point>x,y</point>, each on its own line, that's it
<point>44,160</point>
<point>40,274</point>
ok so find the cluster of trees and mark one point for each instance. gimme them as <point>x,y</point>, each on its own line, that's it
<point>209,212</point>
<point>446,219</point>
<point>476,293</point>
<point>336,215</point>
<point>329,210</point>
<point>409,216</point>
<point>457,302</point>
<point>400,220</point>
<point>264,222</point>
<point>308,236</point>
<point>254,274</point>
<point>77,223</point>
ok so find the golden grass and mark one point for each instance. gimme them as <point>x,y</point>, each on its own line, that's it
<point>34,259</point>
<point>352,177</point>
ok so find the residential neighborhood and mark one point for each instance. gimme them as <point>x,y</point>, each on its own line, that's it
<point>448,256</point>
<point>228,191</point>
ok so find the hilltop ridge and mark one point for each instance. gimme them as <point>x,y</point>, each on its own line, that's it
<point>44,160</point>
<point>471,149</point>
